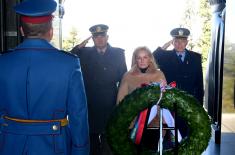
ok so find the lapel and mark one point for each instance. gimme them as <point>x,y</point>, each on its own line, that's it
<point>187,59</point>
<point>99,60</point>
<point>93,57</point>
<point>175,58</point>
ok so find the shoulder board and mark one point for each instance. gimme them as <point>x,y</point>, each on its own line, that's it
<point>195,53</point>
<point>120,49</point>
<point>116,48</point>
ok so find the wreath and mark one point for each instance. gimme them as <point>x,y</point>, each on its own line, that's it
<point>188,108</point>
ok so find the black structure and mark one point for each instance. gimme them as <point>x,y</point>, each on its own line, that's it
<point>9,31</point>
<point>214,78</point>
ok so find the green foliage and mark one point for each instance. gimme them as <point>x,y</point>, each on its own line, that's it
<point>229,77</point>
<point>228,84</point>
<point>190,18</point>
<point>205,39</point>
<point>188,108</point>
<point>71,41</point>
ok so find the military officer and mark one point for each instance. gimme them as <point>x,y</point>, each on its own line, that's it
<point>40,87</point>
<point>181,65</point>
<point>103,67</point>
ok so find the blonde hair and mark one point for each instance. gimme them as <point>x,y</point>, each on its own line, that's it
<point>152,65</point>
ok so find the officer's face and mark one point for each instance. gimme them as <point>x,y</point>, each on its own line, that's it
<point>143,60</point>
<point>100,40</point>
<point>180,44</point>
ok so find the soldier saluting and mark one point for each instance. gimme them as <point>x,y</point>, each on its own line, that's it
<point>103,67</point>
<point>181,65</point>
<point>40,87</point>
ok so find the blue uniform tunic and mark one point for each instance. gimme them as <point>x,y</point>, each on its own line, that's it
<point>39,82</point>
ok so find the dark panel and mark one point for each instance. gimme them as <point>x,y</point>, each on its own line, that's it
<point>10,36</point>
<point>2,25</point>
<point>12,25</point>
<point>214,78</point>
<point>214,2</point>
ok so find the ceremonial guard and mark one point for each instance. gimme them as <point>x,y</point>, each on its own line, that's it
<point>41,88</point>
<point>182,65</point>
<point>103,67</point>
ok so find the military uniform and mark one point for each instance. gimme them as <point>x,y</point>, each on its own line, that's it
<point>187,74</point>
<point>184,67</point>
<point>186,71</point>
<point>102,74</point>
<point>40,87</point>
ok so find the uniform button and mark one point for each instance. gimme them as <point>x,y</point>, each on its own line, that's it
<point>104,68</point>
<point>55,127</point>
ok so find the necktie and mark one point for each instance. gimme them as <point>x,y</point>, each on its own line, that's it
<point>101,52</point>
<point>181,57</point>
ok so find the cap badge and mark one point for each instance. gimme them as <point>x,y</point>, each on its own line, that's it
<point>181,32</point>
<point>98,29</point>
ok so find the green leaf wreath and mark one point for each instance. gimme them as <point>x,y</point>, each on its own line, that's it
<point>118,134</point>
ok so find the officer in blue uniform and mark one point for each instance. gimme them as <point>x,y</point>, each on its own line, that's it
<point>40,88</point>
<point>182,65</point>
<point>103,67</point>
